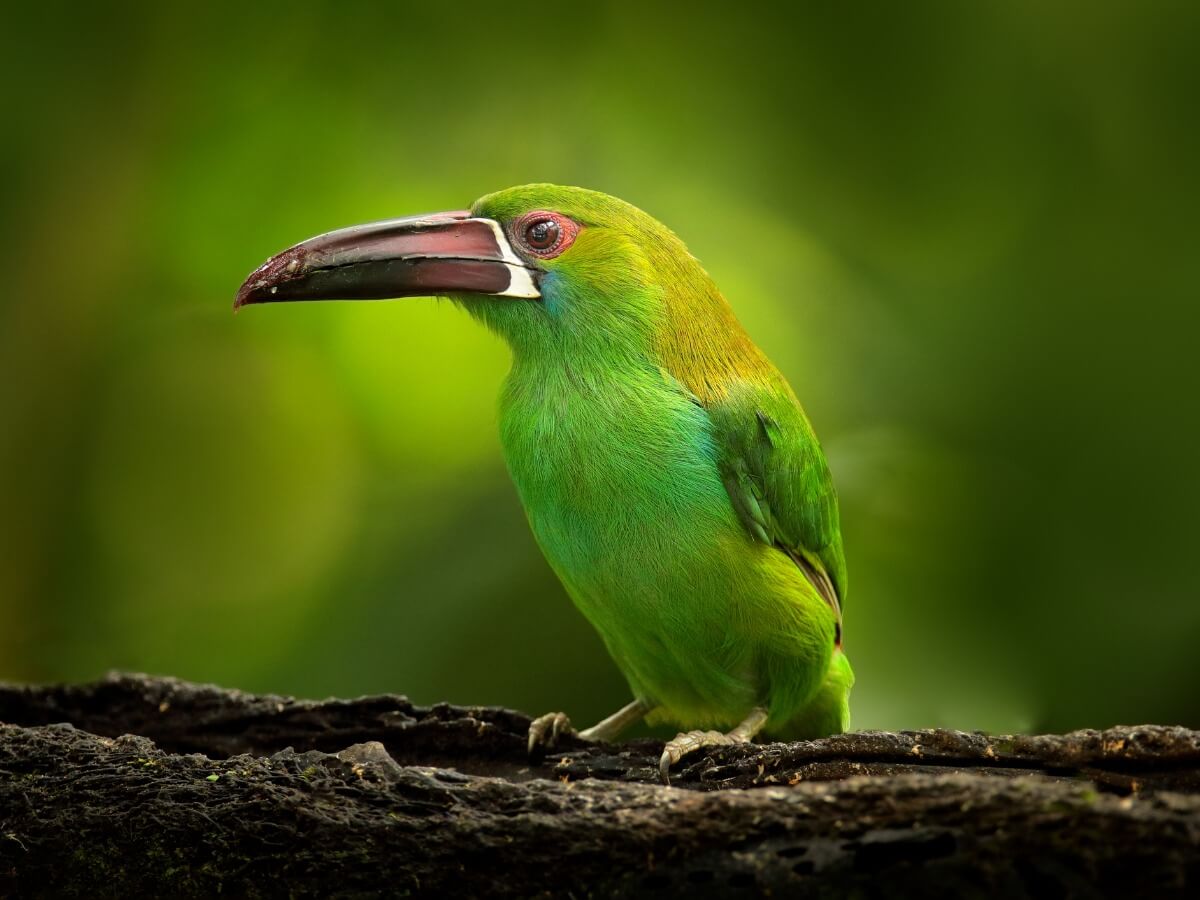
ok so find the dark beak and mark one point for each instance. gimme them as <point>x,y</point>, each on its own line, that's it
<point>420,256</point>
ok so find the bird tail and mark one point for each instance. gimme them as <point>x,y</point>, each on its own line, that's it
<point>829,710</point>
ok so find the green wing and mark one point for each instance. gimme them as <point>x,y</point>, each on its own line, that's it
<point>780,485</point>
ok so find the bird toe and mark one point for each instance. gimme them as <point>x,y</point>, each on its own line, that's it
<point>544,731</point>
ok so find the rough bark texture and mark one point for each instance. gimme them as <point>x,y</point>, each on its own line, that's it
<point>150,786</point>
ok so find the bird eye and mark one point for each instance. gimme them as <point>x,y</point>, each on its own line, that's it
<point>542,234</point>
<point>545,234</point>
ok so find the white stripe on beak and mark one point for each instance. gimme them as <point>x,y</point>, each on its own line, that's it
<point>520,278</point>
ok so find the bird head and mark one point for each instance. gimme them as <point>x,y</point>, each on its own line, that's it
<point>554,270</point>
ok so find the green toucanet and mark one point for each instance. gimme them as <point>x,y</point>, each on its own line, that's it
<point>668,472</point>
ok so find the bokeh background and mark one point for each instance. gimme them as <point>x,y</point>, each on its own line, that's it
<point>967,233</point>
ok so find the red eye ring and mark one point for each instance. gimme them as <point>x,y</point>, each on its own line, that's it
<point>544,234</point>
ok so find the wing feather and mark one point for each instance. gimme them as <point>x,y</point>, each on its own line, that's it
<point>779,482</point>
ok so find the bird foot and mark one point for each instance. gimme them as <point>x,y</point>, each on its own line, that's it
<point>544,731</point>
<point>689,742</point>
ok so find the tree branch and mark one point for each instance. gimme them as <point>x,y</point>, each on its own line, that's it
<point>221,791</point>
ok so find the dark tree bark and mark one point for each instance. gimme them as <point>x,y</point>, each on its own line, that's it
<point>148,786</point>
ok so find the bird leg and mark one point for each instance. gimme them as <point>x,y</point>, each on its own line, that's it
<point>690,741</point>
<point>544,730</point>
<point>609,728</point>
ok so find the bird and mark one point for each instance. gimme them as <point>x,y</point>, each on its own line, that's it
<point>667,470</point>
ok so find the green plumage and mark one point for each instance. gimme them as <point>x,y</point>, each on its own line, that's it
<point>670,476</point>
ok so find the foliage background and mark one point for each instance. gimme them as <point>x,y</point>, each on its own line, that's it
<point>967,232</point>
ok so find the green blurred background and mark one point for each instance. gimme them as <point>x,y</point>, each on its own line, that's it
<point>967,233</point>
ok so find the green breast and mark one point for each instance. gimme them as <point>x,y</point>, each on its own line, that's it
<point>619,477</point>
<point>620,484</point>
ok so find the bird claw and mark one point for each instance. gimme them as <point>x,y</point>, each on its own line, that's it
<point>689,742</point>
<point>544,731</point>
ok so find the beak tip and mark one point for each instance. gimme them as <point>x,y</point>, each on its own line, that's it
<point>247,293</point>
<point>264,282</point>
